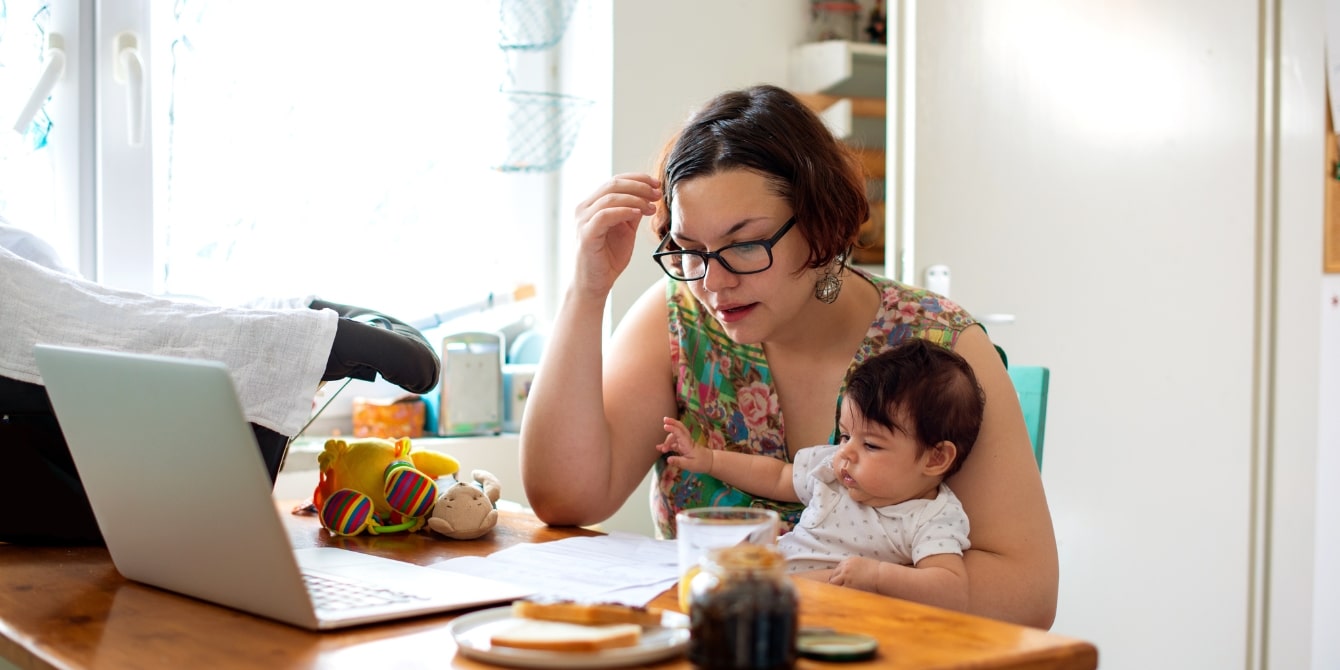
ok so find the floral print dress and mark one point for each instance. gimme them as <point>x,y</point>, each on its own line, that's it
<point>725,395</point>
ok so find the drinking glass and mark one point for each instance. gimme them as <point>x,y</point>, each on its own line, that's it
<point>705,528</point>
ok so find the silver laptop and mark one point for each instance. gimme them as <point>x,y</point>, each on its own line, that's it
<point>183,499</point>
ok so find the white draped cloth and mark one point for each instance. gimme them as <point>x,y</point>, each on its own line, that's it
<point>276,356</point>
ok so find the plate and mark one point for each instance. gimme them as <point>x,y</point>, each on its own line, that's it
<point>472,632</point>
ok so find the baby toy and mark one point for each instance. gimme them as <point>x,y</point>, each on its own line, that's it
<point>467,510</point>
<point>377,485</point>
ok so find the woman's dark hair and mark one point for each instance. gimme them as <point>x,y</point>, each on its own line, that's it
<point>768,130</point>
<point>927,384</point>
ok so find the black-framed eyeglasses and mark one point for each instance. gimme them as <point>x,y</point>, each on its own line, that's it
<point>741,258</point>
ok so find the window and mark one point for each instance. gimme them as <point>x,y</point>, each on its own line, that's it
<point>340,147</point>
<point>27,182</point>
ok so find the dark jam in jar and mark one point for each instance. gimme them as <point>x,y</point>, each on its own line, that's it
<point>742,611</point>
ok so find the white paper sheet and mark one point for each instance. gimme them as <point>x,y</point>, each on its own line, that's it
<point>620,567</point>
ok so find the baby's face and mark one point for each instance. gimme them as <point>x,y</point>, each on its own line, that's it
<point>879,466</point>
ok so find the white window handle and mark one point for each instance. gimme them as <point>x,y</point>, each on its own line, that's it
<point>128,69</point>
<point>55,67</point>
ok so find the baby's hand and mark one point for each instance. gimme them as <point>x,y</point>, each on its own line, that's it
<point>688,456</point>
<point>856,572</point>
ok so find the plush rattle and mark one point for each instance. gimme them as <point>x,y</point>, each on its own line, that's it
<point>378,486</point>
<point>467,510</point>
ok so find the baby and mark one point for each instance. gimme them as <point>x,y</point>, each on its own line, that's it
<point>878,514</point>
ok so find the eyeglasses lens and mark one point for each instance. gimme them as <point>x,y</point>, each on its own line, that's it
<point>741,258</point>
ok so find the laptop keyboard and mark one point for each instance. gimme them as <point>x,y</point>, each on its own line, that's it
<point>337,595</point>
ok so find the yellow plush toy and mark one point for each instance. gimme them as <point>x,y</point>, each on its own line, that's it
<point>377,485</point>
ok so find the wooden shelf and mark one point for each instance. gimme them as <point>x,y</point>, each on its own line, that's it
<point>860,106</point>
<point>840,68</point>
<point>846,85</point>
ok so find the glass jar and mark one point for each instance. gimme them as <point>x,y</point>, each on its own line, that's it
<point>742,611</point>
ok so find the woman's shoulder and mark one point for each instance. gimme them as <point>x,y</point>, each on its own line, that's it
<point>908,307</point>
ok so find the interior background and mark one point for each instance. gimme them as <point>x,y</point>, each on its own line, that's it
<point>1140,184</point>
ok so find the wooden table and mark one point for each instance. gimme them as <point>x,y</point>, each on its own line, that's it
<point>64,607</point>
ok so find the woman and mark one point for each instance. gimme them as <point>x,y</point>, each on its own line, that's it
<point>750,339</point>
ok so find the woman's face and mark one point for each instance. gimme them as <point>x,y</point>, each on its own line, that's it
<point>735,206</point>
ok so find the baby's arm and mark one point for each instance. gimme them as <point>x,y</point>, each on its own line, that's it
<point>758,475</point>
<point>689,456</point>
<point>939,579</point>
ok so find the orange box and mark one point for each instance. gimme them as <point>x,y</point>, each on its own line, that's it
<point>390,419</point>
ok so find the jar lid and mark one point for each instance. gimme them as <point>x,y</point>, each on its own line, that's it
<point>825,645</point>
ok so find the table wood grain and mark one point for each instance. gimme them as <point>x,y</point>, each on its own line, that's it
<point>67,607</point>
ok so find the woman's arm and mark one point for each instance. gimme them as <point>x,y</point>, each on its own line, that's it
<point>1012,565</point>
<point>593,418</point>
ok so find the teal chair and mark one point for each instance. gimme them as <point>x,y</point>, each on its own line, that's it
<point>1030,382</point>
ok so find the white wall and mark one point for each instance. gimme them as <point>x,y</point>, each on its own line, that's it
<point>1326,607</point>
<point>1138,184</point>
<point>1293,213</point>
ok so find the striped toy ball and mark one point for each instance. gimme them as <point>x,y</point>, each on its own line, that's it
<point>409,491</point>
<point>346,512</point>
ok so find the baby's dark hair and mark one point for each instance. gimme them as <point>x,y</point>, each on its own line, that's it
<point>927,384</point>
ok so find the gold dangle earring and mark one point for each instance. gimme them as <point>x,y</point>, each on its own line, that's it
<point>827,287</point>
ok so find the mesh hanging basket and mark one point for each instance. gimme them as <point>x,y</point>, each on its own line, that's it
<point>531,25</point>
<point>541,129</point>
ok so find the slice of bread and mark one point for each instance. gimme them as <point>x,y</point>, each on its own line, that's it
<point>571,611</point>
<point>560,636</point>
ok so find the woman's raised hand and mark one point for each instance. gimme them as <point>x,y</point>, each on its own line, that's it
<point>607,224</point>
